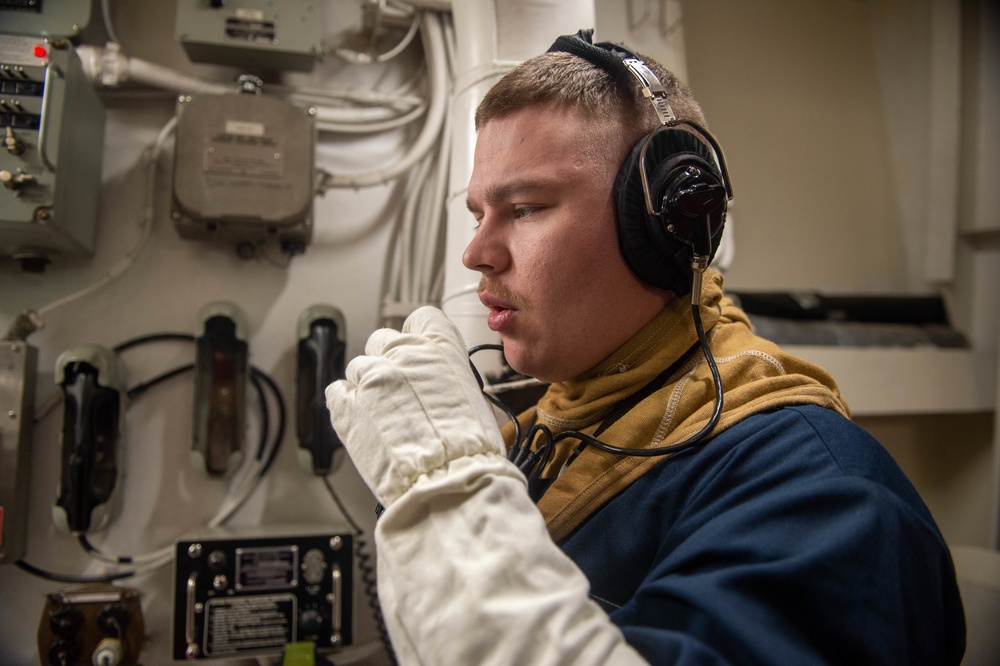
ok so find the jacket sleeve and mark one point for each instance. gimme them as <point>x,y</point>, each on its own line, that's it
<point>469,575</point>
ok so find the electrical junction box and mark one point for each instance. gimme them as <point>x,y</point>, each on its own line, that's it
<point>92,623</point>
<point>52,129</point>
<point>18,368</point>
<point>44,18</point>
<point>249,591</point>
<point>252,34</point>
<point>244,170</point>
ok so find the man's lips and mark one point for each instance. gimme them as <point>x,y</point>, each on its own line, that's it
<point>501,311</point>
<point>494,302</point>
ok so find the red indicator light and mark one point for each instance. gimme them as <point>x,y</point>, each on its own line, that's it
<point>40,51</point>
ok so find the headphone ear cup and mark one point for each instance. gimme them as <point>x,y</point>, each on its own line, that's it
<point>658,248</point>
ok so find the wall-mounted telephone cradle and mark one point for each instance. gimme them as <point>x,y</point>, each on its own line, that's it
<point>250,591</point>
<point>221,370</point>
<point>92,383</point>
<point>320,361</point>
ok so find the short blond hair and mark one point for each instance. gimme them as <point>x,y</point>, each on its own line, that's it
<point>564,80</point>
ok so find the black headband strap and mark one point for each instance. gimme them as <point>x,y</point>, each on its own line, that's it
<point>621,63</point>
<point>605,55</point>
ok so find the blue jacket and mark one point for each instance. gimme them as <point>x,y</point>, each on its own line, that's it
<point>790,538</point>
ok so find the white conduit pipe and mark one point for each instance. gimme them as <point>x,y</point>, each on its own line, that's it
<point>364,120</point>
<point>159,76</point>
<point>526,28</point>
<point>111,67</point>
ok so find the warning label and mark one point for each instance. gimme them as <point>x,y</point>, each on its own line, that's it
<point>243,624</point>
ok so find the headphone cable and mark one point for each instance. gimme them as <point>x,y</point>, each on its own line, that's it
<point>527,460</point>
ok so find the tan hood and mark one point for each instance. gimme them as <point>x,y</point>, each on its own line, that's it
<point>756,376</point>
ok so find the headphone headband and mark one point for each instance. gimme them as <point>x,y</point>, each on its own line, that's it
<point>672,191</point>
<point>621,63</point>
<point>605,55</point>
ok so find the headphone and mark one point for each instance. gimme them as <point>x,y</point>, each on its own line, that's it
<point>672,192</point>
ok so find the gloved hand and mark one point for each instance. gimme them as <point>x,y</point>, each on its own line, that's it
<point>411,405</point>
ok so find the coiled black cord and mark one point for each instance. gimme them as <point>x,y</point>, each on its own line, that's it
<point>369,577</point>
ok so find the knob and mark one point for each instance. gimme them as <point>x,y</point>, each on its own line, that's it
<point>114,619</point>
<point>310,622</point>
<point>65,622</point>
<point>64,653</point>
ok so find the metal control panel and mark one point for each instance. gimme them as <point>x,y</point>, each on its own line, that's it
<point>44,18</point>
<point>252,34</point>
<point>250,591</point>
<point>52,133</point>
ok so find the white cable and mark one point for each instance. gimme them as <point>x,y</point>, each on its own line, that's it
<point>434,48</point>
<point>240,490</point>
<point>110,67</point>
<point>152,154</point>
<point>450,46</point>
<point>363,126</point>
<point>362,58</point>
<point>413,275</point>
<point>398,99</point>
<point>430,261</point>
<point>395,289</point>
<point>108,24</point>
<point>163,77</point>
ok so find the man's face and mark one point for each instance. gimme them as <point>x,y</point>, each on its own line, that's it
<point>559,292</point>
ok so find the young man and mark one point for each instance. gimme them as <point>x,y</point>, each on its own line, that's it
<point>776,532</point>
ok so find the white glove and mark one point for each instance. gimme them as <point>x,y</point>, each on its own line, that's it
<point>411,405</point>
<point>467,572</point>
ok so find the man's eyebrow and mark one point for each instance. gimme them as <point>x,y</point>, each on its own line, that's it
<point>505,191</point>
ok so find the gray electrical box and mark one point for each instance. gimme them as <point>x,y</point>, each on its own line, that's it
<point>18,367</point>
<point>243,170</point>
<point>45,18</point>
<point>52,134</point>
<point>252,34</point>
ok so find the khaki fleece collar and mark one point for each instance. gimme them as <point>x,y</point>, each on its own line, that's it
<point>756,376</point>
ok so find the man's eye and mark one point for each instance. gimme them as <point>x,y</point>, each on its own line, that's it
<point>524,211</point>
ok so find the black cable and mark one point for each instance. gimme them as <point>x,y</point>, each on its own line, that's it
<point>153,337</point>
<point>531,463</point>
<point>256,376</point>
<point>265,419</point>
<point>282,414</point>
<point>139,389</point>
<point>90,548</point>
<point>369,578</point>
<point>492,398</point>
